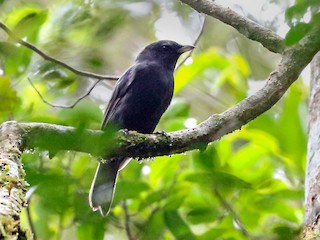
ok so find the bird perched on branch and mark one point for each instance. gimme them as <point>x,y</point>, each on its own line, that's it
<point>141,96</point>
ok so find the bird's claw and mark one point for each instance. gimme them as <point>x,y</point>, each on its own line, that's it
<point>124,131</point>
<point>162,133</point>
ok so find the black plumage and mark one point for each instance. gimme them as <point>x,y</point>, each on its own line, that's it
<point>141,96</point>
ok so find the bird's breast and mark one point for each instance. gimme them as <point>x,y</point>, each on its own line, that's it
<point>146,101</point>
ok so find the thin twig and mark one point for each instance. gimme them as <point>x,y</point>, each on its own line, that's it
<point>29,194</point>
<point>30,46</point>
<point>31,225</point>
<point>234,215</point>
<point>65,106</point>
<point>194,43</point>
<point>51,59</point>
<point>127,221</point>
<point>76,71</point>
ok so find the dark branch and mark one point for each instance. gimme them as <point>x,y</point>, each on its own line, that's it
<point>250,29</point>
<point>54,60</point>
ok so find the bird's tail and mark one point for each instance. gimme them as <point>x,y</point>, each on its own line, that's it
<point>103,185</point>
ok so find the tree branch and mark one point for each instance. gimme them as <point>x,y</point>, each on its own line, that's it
<point>12,184</point>
<point>86,94</point>
<point>74,70</point>
<point>54,60</point>
<point>15,137</point>
<point>250,29</point>
<point>132,144</point>
<point>312,189</point>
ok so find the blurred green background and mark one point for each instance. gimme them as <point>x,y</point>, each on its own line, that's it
<point>248,185</point>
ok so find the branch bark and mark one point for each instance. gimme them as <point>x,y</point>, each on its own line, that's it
<point>132,144</point>
<point>12,184</point>
<point>250,29</point>
<point>312,189</point>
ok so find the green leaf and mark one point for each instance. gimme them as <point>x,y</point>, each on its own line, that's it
<point>272,204</point>
<point>297,11</point>
<point>286,232</point>
<point>175,199</point>
<point>202,215</point>
<point>214,233</point>
<point>89,231</point>
<point>289,194</point>
<point>154,227</point>
<point>164,170</point>
<point>8,96</point>
<point>177,226</point>
<point>209,59</point>
<point>80,165</point>
<point>218,179</point>
<point>14,58</point>
<point>178,108</point>
<point>207,160</point>
<point>26,21</point>
<point>85,112</point>
<point>296,33</point>
<point>129,190</point>
<point>175,124</point>
<point>152,197</point>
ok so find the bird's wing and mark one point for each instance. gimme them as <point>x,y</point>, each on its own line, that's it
<point>119,91</point>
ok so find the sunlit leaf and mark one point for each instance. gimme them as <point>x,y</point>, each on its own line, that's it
<point>275,205</point>
<point>154,227</point>
<point>299,9</point>
<point>209,59</point>
<point>202,215</point>
<point>218,179</point>
<point>8,96</point>
<point>177,225</point>
<point>296,33</point>
<point>129,189</point>
<point>207,160</point>
<point>89,231</point>
<point>84,113</point>
<point>25,21</point>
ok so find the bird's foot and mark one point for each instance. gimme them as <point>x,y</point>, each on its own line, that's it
<point>162,133</point>
<point>124,131</point>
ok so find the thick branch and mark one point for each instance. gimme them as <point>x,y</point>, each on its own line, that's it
<point>312,193</point>
<point>250,29</point>
<point>132,144</point>
<point>12,184</point>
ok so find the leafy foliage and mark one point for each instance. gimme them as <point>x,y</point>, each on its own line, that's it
<point>248,185</point>
<point>302,17</point>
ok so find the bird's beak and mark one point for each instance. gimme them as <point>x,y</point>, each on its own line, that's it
<point>185,48</point>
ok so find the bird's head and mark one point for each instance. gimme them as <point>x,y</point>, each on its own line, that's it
<point>164,52</point>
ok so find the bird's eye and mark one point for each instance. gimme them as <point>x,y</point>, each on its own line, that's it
<point>165,47</point>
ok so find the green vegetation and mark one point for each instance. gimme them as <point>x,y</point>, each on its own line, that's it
<point>248,185</point>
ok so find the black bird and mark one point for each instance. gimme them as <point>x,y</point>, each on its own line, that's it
<point>141,96</point>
